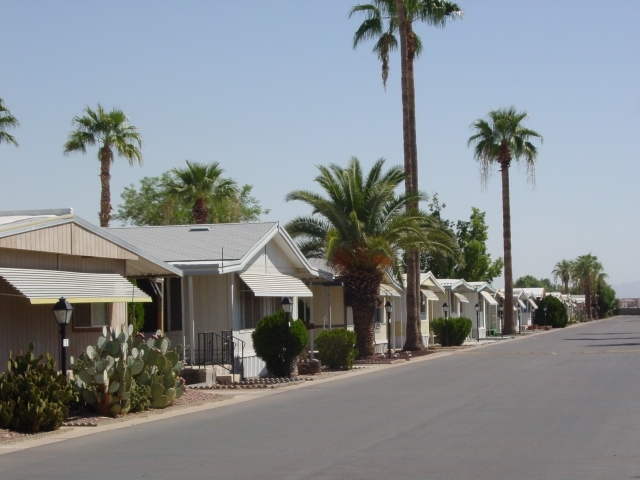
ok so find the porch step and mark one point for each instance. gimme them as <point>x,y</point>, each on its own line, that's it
<point>193,375</point>
<point>227,378</point>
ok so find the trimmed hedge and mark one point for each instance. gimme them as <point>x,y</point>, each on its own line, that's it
<point>453,332</point>
<point>336,348</point>
<point>270,341</point>
<point>556,315</point>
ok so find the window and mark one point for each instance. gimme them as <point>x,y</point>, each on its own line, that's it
<point>423,303</point>
<point>250,309</point>
<point>90,315</point>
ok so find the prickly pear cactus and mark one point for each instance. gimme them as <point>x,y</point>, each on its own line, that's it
<point>33,396</point>
<point>162,367</point>
<point>103,374</point>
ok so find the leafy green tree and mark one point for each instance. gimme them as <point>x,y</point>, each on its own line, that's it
<point>607,301</point>
<point>476,264</point>
<point>110,130</point>
<point>382,19</point>
<point>151,204</point>
<point>362,227</point>
<point>499,140</point>
<point>441,265</point>
<point>7,121</point>
<point>200,185</point>
<point>551,311</point>
<point>562,272</point>
<point>529,281</point>
<point>586,273</point>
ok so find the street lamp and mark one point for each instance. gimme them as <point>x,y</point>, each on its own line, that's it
<point>62,312</point>
<point>389,308</point>
<point>478,321</point>
<point>445,309</point>
<point>287,306</point>
<point>519,318</point>
<point>501,314</point>
<point>545,313</point>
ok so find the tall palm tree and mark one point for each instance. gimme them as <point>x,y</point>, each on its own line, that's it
<point>562,272</point>
<point>113,133</point>
<point>7,121</point>
<point>501,139</point>
<point>361,227</point>
<point>200,186</point>
<point>382,19</point>
<point>587,272</point>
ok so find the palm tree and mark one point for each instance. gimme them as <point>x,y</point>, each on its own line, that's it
<point>562,272</point>
<point>7,121</point>
<point>383,18</point>
<point>201,186</point>
<point>587,272</point>
<point>500,139</point>
<point>361,227</point>
<point>110,130</point>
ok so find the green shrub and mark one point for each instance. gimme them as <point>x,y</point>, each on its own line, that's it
<point>33,396</point>
<point>556,314</point>
<point>140,398</point>
<point>106,375</point>
<point>453,332</point>
<point>270,341</point>
<point>336,348</point>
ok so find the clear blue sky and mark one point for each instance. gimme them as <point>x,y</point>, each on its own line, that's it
<point>271,89</point>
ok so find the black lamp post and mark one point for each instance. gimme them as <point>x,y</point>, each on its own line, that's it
<point>545,313</point>
<point>519,318</point>
<point>478,321</point>
<point>389,308</point>
<point>445,309</point>
<point>500,314</point>
<point>287,306</point>
<point>62,312</point>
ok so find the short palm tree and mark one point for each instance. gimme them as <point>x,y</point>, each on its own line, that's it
<point>587,272</point>
<point>360,226</point>
<point>113,133</point>
<point>200,186</point>
<point>7,121</point>
<point>562,272</point>
<point>498,140</point>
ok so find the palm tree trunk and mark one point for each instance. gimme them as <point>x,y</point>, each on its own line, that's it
<point>105,181</point>
<point>587,300</point>
<point>414,338</point>
<point>200,211</point>
<point>362,294</point>
<point>509,325</point>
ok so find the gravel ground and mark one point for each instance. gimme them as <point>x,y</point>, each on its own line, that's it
<point>87,419</point>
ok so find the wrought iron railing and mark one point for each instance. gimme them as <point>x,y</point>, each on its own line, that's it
<point>223,350</point>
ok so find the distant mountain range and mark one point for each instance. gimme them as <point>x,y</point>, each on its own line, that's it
<point>627,290</point>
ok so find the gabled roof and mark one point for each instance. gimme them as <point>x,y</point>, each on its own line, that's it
<point>481,286</point>
<point>18,222</point>
<point>213,248</point>
<point>456,284</point>
<point>429,280</point>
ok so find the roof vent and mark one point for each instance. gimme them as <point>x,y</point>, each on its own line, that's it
<point>200,229</point>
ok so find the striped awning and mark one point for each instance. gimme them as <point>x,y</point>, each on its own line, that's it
<point>429,294</point>
<point>461,297</point>
<point>275,285</point>
<point>533,304</point>
<point>489,298</point>
<point>47,286</point>
<point>388,291</point>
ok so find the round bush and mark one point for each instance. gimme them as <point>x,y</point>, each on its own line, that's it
<point>336,348</point>
<point>33,396</point>
<point>556,315</point>
<point>270,341</point>
<point>453,331</point>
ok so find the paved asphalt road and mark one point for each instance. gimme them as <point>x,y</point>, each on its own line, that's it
<point>558,405</point>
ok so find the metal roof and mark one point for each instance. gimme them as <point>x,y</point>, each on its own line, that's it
<point>192,243</point>
<point>47,286</point>
<point>18,222</point>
